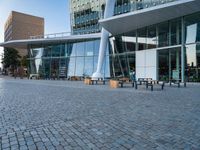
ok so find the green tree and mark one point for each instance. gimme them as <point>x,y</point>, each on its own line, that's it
<point>24,61</point>
<point>11,58</point>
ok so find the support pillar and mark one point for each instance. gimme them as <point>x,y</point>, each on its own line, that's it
<point>109,12</point>
<point>183,51</point>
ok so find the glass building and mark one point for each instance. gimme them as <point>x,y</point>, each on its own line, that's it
<point>85,14</point>
<point>66,59</point>
<point>153,38</point>
<point>166,37</point>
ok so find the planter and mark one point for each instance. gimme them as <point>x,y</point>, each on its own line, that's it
<point>88,81</point>
<point>114,83</point>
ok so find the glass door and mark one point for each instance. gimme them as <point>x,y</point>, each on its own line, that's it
<point>169,64</point>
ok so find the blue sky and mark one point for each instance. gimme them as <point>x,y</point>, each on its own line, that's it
<point>55,12</point>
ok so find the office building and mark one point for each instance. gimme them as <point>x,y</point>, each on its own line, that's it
<point>22,26</point>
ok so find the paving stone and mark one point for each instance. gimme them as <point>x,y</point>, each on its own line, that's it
<point>70,115</point>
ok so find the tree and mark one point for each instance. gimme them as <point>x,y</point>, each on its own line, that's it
<point>11,58</point>
<point>24,61</point>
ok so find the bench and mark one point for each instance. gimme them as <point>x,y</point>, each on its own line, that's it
<point>141,81</point>
<point>155,82</point>
<point>96,81</point>
<point>122,82</point>
<point>149,83</point>
<point>177,82</point>
<point>35,76</point>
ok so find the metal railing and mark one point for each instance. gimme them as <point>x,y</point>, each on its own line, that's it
<point>138,5</point>
<point>54,35</point>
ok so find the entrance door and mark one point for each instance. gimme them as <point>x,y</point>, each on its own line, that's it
<point>169,64</point>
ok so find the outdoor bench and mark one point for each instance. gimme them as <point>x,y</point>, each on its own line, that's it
<point>122,82</point>
<point>99,80</point>
<point>177,82</point>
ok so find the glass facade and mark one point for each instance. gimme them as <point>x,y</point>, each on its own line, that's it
<point>64,60</point>
<point>85,14</point>
<point>122,55</point>
<point>192,47</point>
<point>166,38</point>
<point>169,61</point>
<point>177,44</point>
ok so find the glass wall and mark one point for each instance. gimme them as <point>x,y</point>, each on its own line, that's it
<point>122,54</point>
<point>169,61</point>
<point>166,38</point>
<point>63,60</point>
<point>192,48</point>
<point>192,63</point>
<point>80,58</point>
<point>86,13</point>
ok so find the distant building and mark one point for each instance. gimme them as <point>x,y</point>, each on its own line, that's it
<point>21,26</point>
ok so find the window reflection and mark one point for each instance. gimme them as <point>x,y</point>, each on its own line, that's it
<point>80,47</point>
<point>192,28</point>
<point>169,64</point>
<point>193,63</point>
<point>163,34</point>
<point>142,39</point>
<point>130,41</point>
<point>151,37</point>
<point>89,66</point>
<point>79,66</point>
<point>71,69</point>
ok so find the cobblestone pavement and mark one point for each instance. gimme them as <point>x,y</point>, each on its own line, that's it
<point>70,115</point>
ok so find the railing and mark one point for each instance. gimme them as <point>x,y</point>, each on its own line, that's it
<point>138,5</point>
<point>54,35</point>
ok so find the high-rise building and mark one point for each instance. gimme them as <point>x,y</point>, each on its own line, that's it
<point>22,26</point>
<point>85,14</point>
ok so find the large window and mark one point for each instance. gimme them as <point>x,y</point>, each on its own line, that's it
<point>142,39</point>
<point>80,48</point>
<point>89,66</point>
<point>66,59</point>
<point>72,65</point>
<point>169,64</point>
<point>192,63</point>
<point>79,66</point>
<point>163,34</point>
<point>192,28</point>
<point>151,37</point>
<point>130,41</point>
<point>175,32</point>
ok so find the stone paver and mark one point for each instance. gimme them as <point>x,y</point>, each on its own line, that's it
<point>59,115</point>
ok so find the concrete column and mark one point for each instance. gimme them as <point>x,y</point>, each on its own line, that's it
<point>177,62</point>
<point>183,51</point>
<point>109,12</point>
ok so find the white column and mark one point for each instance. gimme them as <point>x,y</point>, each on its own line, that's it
<point>109,11</point>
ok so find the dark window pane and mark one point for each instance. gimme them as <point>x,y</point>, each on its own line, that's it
<point>142,39</point>
<point>163,34</point>
<point>151,37</point>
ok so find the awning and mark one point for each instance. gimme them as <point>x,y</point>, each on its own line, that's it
<point>149,16</point>
<point>71,38</point>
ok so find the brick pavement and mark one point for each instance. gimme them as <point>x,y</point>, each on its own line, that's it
<point>70,115</point>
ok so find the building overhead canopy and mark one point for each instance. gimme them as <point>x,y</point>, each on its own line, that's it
<point>149,16</point>
<point>70,38</point>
